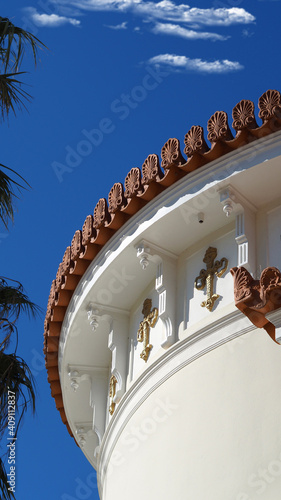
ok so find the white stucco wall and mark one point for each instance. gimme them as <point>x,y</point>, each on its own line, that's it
<point>211,431</point>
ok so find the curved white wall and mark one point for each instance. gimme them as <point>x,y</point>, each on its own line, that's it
<point>211,430</point>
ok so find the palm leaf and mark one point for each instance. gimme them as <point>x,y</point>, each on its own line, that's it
<point>7,194</point>
<point>13,302</point>
<point>12,96</point>
<point>13,42</point>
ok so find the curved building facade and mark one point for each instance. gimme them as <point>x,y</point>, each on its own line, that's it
<point>162,326</point>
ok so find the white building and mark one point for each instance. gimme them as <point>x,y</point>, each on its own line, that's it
<point>172,388</point>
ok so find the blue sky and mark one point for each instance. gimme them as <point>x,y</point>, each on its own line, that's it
<point>120,77</point>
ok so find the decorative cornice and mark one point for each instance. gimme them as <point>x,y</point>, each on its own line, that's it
<point>140,187</point>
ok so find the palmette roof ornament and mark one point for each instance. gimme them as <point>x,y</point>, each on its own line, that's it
<point>66,261</point>
<point>133,184</point>
<point>255,298</point>
<point>151,170</point>
<point>243,115</point>
<point>101,214</point>
<point>171,154</point>
<point>51,300</point>
<point>53,292</point>
<point>59,277</point>
<point>88,230</point>
<point>141,187</point>
<point>270,105</point>
<point>116,198</point>
<point>218,127</point>
<point>76,245</point>
<point>194,141</point>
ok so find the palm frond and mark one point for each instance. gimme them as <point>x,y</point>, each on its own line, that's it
<point>7,194</point>
<point>13,302</point>
<point>13,42</point>
<point>12,96</point>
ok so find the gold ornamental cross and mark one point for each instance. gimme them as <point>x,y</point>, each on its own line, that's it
<point>149,320</point>
<point>206,276</point>
<point>112,392</point>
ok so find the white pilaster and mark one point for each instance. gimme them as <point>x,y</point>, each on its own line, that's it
<point>165,285</point>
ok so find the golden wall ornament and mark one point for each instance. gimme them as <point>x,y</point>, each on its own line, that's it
<point>149,320</point>
<point>112,392</point>
<point>206,276</point>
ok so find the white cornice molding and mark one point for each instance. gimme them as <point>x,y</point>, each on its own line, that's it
<point>187,188</point>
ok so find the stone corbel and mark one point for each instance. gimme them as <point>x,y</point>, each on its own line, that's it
<point>165,284</point>
<point>78,373</point>
<point>82,431</point>
<point>245,213</point>
<point>96,314</point>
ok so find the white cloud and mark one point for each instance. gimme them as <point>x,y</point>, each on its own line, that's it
<point>50,20</point>
<point>167,10</point>
<point>183,63</point>
<point>122,26</point>
<point>176,30</point>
